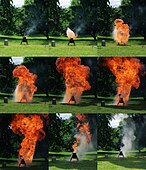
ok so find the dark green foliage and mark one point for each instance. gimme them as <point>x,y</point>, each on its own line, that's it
<point>60,132</point>
<point>91,17</point>
<point>19,18</point>
<point>6,75</point>
<point>116,137</point>
<point>104,131</point>
<point>93,64</point>
<point>66,18</point>
<point>9,141</point>
<point>140,124</point>
<point>42,17</point>
<point>104,17</point>
<point>134,13</point>
<point>106,80</point>
<point>6,16</point>
<point>41,150</point>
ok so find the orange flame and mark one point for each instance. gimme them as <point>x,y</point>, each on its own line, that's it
<point>121,32</point>
<point>25,89</point>
<point>83,127</point>
<point>31,127</point>
<point>75,75</point>
<point>71,34</point>
<point>127,71</point>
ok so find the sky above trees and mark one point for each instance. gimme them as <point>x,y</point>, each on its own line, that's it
<point>66,3</point>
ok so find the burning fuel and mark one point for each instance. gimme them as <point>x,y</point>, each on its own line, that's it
<point>83,137</point>
<point>71,34</point>
<point>31,127</point>
<point>127,71</point>
<point>75,75</point>
<point>121,32</point>
<point>25,89</point>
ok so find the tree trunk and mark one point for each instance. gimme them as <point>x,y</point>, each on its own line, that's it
<point>94,36</point>
<point>46,91</point>
<point>47,37</point>
<point>46,34</point>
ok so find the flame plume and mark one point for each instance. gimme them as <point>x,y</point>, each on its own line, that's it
<point>75,75</point>
<point>31,127</point>
<point>71,34</point>
<point>121,32</point>
<point>83,127</point>
<point>25,89</point>
<point>127,71</point>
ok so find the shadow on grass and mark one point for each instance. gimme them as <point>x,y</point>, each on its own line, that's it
<point>13,165</point>
<point>141,106</point>
<point>139,42</point>
<point>85,100</point>
<point>63,155</point>
<point>80,165</point>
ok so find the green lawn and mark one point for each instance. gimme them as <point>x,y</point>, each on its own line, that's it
<point>122,164</point>
<point>134,105</point>
<point>40,104</point>
<point>43,104</point>
<point>134,161</point>
<point>12,164</point>
<point>62,161</point>
<point>90,105</point>
<point>85,46</point>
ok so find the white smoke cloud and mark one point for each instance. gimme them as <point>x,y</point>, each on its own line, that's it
<point>31,30</point>
<point>117,118</point>
<point>129,137</point>
<point>83,147</point>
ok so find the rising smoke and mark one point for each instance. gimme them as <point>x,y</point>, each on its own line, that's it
<point>128,137</point>
<point>31,30</point>
<point>86,135</point>
<point>132,129</point>
<point>83,148</point>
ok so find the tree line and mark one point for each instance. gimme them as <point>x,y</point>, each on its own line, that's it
<point>92,17</point>
<point>50,81</point>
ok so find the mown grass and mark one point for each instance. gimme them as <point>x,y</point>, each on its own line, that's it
<point>40,104</point>
<point>89,104</point>
<point>12,164</point>
<point>134,161</point>
<point>122,164</point>
<point>62,161</point>
<point>85,46</point>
